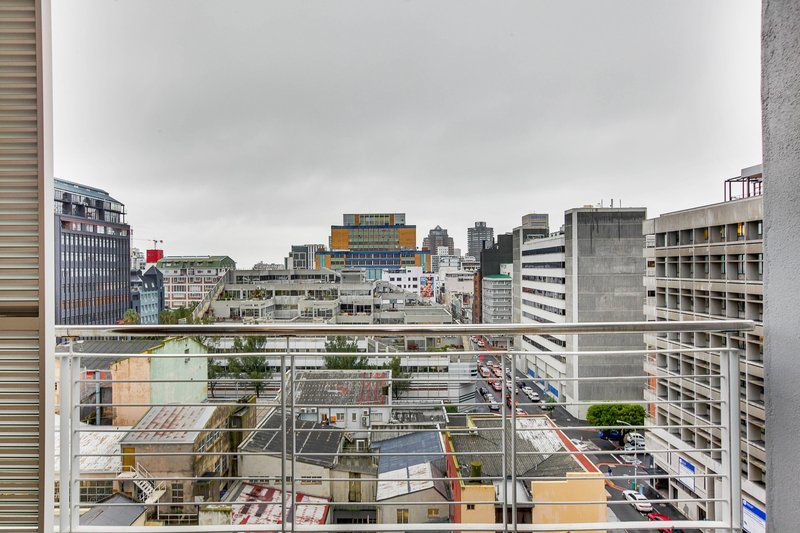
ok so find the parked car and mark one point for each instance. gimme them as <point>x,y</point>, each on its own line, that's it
<point>658,517</point>
<point>634,447</point>
<point>497,385</point>
<point>498,372</point>
<point>635,438</point>
<point>521,411</point>
<point>534,396</point>
<point>526,390</point>
<point>482,391</point>
<point>610,434</point>
<point>494,405</point>
<point>638,501</point>
<point>485,372</point>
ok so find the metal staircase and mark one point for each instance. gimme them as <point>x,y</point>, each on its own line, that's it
<point>149,491</point>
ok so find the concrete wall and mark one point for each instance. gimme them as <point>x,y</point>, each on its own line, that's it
<point>582,486</point>
<point>604,272</point>
<point>340,490</point>
<point>417,514</point>
<point>180,368</point>
<point>781,109</point>
<point>269,466</point>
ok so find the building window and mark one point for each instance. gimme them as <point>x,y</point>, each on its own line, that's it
<point>354,492</point>
<point>433,513</point>
<point>353,417</point>
<point>402,516</point>
<point>470,507</point>
<point>177,492</point>
<point>311,480</point>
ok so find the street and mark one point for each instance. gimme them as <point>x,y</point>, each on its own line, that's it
<point>587,440</point>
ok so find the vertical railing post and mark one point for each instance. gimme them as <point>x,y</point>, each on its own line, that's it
<point>513,441</point>
<point>294,434</point>
<point>65,454</point>
<point>731,433</point>
<point>283,441</point>
<point>503,439</point>
<point>75,439</point>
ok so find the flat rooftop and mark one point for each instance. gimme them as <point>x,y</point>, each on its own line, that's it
<point>342,387</point>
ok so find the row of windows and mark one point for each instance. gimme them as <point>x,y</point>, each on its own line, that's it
<point>545,279</point>
<point>546,294</point>
<point>543,307</point>
<point>544,264</point>
<point>548,250</point>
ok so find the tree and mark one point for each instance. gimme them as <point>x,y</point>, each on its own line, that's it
<point>131,317</point>
<point>343,362</point>
<point>397,373</point>
<point>252,367</point>
<point>609,414</point>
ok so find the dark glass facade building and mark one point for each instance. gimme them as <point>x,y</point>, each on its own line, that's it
<point>92,256</point>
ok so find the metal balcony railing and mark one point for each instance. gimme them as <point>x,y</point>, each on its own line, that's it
<point>212,435</point>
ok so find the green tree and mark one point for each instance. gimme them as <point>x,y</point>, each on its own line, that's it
<point>549,403</point>
<point>131,317</point>
<point>253,368</point>
<point>343,362</point>
<point>609,414</point>
<point>397,373</point>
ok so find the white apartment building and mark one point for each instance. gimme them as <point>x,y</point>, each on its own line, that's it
<point>496,299</point>
<point>543,300</point>
<point>187,279</point>
<point>405,278</point>
<point>707,263</point>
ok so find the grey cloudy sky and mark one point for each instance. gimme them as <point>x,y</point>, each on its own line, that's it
<point>233,127</point>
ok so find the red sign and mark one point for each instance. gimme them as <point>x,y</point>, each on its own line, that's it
<point>154,255</point>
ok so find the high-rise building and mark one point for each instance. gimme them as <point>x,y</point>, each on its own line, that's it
<point>497,259</point>
<point>303,256</point>
<point>534,225</point>
<point>591,272</point>
<point>707,263</point>
<point>92,255</point>
<point>147,294</point>
<point>479,238</point>
<point>373,242</point>
<point>496,299</point>
<point>187,279</point>
<point>437,237</point>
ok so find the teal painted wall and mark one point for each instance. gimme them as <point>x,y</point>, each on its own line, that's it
<point>179,368</point>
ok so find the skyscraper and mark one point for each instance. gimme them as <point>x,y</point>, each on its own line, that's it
<point>92,255</point>
<point>437,237</point>
<point>479,238</point>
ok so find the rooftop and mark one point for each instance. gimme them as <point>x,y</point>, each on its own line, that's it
<point>108,348</point>
<point>346,387</point>
<point>408,480</point>
<point>323,440</point>
<point>114,515</point>
<point>96,442</point>
<point>191,419</point>
<point>256,509</point>
<point>196,260</point>
<point>534,434</point>
<point>84,190</point>
<point>427,444</point>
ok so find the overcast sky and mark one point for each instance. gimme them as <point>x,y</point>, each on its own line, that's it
<point>239,128</point>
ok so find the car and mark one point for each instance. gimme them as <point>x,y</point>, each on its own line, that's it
<point>631,447</point>
<point>638,501</point>
<point>521,411</point>
<point>482,391</point>
<point>497,385</point>
<point>635,438</point>
<point>498,372</point>
<point>485,372</point>
<point>658,517</point>
<point>610,434</point>
<point>534,396</point>
<point>494,405</point>
<point>526,390</point>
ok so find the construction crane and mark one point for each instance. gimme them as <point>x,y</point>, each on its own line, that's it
<point>154,241</point>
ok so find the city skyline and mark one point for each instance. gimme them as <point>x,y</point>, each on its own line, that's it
<point>247,148</point>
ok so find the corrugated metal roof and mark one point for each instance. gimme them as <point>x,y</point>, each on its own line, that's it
<point>191,418</point>
<point>349,387</point>
<point>262,506</point>
<point>324,439</point>
<point>99,442</point>
<point>408,480</point>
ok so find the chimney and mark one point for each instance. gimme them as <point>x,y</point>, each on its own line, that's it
<point>475,471</point>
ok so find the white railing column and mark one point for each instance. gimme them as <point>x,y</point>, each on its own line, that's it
<point>65,456</point>
<point>75,439</point>
<point>731,433</point>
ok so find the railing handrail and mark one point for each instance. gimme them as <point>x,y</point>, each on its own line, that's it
<point>297,330</point>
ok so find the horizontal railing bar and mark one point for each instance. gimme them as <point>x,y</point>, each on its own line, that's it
<point>381,528</point>
<point>300,481</point>
<point>531,503</point>
<point>294,330</point>
<point>386,355</point>
<point>386,454</point>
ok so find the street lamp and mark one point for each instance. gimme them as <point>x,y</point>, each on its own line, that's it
<point>634,484</point>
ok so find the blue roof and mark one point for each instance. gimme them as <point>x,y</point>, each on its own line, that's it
<point>426,444</point>
<point>85,190</point>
